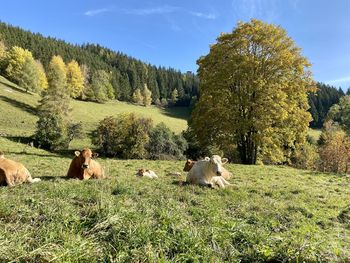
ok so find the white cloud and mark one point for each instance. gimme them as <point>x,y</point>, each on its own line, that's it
<point>95,12</point>
<point>340,80</point>
<point>202,15</point>
<point>152,11</point>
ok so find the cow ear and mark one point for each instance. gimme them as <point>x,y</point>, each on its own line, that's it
<point>224,160</point>
<point>207,158</point>
<point>77,153</point>
<point>94,155</point>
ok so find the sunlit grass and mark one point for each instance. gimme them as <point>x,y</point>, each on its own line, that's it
<point>18,113</point>
<point>268,214</point>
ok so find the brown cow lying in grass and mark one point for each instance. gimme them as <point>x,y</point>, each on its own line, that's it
<point>13,173</point>
<point>189,164</point>
<point>84,167</point>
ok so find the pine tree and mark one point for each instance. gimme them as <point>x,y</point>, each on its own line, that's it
<point>54,118</point>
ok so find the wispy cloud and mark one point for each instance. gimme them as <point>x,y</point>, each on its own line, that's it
<point>152,11</point>
<point>263,9</point>
<point>95,12</point>
<point>202,15</point>
<point>340,80</point>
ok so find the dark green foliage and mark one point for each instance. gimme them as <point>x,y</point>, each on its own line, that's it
<point>124,136</point>
<point>127,73</point>
<point>51,132</point>
<point>321,102</point>
<point>165,144</point>
<point>54,118</point>
<point>194,150</point>
<point>101,87</point>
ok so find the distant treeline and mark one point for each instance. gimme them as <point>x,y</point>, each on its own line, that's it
<point>128,74</point>
<point>321,101</point>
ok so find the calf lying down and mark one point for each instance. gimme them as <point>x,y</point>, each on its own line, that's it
<point>13,173</point>
<point>146,173</point>
<point>208,172</point>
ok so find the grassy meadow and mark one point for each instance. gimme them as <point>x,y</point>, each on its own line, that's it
<point>270,213</point>
<point>18,113</point>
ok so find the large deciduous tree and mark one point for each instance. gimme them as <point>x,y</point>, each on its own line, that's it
<point>253,93</point>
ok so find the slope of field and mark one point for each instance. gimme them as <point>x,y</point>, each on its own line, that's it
<point>268,214</point>
<point>18,113</point>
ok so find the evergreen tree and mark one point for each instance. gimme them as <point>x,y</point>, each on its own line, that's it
<point>54,120</point>
<point>321,101</point>
<point>101,88</point>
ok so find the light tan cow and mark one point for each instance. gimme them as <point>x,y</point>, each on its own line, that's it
<point>208,172</point>
<point>224,173</point>
<point>13,173</point>
<point>146,173</point>
<point>84,167</point>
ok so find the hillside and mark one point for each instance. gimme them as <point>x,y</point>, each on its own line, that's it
<point>127,73</point>
<point>18,118</point>
<point>267,215</point>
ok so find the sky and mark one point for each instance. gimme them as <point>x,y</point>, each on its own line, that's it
<point>176,33</point>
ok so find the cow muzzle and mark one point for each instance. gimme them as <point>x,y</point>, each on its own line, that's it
<point>85,166</point>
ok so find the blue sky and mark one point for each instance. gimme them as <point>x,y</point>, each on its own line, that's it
<point>176,33</point>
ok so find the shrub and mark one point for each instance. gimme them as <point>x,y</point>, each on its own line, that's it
<point>165,144</point>
<point>305,157</point>
<point>334,151</point>
<point>124,136</point>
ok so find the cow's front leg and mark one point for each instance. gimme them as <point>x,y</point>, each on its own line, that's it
<point>205,183</point>
<point>219,181</point>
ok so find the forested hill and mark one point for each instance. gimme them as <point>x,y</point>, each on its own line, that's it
<point>321,101</point>
<point>128,74</point>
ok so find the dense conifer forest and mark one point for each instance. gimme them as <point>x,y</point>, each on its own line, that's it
<point>128,74</point>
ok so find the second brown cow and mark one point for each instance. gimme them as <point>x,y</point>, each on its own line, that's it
<point>84,167</point>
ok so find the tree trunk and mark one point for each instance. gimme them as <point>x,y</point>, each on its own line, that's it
<point>247,148</point>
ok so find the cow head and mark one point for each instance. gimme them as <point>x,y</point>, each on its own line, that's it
<point>140,172</point>
<point>85,157</point>
<point>216,162</point>
<point>188,165</point>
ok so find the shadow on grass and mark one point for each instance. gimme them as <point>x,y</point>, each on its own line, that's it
<point>322,173</point>
<point>53,178</point>
<point>11,85</point>
<point>177,112</point>
<point>21,105</point>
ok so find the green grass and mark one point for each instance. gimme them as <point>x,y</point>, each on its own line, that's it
<point>18,113</point>
<point>268,214</point>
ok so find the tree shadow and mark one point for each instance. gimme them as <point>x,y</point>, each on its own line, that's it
<point>12,86</point>
<point>21,105</point>
<point>177,112</point>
